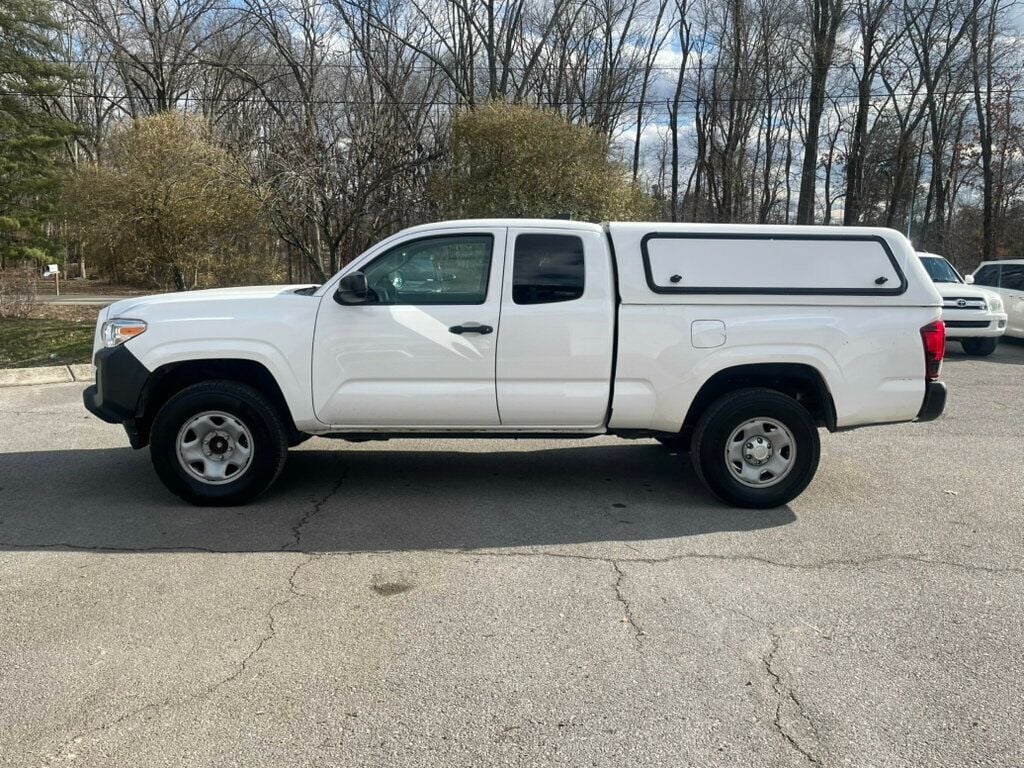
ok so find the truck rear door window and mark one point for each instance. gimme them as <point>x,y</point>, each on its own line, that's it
<point>770,264</point>
<point>547,269</point>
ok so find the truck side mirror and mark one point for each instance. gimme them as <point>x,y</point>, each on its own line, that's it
<point>969,279</point>
<point>352,289</point>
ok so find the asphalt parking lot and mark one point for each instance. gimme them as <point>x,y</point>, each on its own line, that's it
<point>474,603</point>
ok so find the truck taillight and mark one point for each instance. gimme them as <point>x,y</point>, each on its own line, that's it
<point>933,336</point>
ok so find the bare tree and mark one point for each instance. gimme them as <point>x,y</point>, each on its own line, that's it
<point>153,44</point>
<point>992,100</point>
<point>824,18</point>
<point>876,37</point>
<point>656,40</point>
<point>683,37</point>
<point>901,112</point>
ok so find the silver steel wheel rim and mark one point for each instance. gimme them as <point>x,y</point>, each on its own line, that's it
<point>760,452</point>
<point>215,447</point>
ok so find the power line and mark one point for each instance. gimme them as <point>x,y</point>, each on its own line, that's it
<point>547,67</point>
<point>692,101</point>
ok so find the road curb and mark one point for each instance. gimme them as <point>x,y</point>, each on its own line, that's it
<point>49,374</point>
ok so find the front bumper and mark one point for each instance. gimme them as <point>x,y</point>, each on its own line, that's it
<point>934,401</point>
<point>974,325</point>
<point>120,381</point>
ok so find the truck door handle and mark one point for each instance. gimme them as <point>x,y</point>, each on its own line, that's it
<point>483,330</point>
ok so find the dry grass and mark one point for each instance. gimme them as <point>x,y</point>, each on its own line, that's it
<point>77,287</point>
<point>33,333</point>
<point>34,341</point>
<point>65,313</point>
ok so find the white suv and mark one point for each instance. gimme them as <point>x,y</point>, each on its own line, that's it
<point>1006,277</point>
<point>973,316</point>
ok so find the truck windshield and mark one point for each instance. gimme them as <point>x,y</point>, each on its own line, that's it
<point>940,270</point>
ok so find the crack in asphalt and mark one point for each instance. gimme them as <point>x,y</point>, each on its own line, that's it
<point>812,566</point>
<point>313,512</point>
<point>630,618</point>
<point>103,548</point>
<point>269,633</point>
<point>783,694</point>
<point>271,630</point>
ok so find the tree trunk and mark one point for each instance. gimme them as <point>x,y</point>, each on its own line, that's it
<point>809,168</point>
<point>825,18</point>
<point>982,65</point>
<point>855,161</point>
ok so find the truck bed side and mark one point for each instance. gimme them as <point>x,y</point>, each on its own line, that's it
<point>866,348</point>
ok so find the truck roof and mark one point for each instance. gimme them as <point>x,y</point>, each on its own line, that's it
<point>584,226</point>
<point>660,226</point>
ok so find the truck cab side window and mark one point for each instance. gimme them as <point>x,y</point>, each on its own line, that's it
<point>988,276</point>
<point>547,269</point>
<point>435,270</point>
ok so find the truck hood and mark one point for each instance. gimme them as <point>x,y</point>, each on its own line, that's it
<point>139,304</point>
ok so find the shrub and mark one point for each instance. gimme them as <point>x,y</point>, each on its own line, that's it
<point>17,292</point>
<point>517,160</point>
<point>169,207</point>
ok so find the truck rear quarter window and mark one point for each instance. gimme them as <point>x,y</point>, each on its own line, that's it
<point>547,269</point>
<point>771,264</point>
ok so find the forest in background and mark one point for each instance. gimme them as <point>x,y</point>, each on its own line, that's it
<point>183,143</point>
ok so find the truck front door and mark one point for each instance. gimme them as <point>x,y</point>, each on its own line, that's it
<point>420,352</point>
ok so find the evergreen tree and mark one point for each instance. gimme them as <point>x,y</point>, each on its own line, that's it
<point>30,139</point>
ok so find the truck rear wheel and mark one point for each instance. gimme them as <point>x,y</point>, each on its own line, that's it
<point>979,347</point>
<point>756,448</point>
<point>218,443</point>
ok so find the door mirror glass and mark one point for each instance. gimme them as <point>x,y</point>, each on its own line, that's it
<point>352,289</point>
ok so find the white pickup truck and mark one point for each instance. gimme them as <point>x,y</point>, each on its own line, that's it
<point>737,342</point>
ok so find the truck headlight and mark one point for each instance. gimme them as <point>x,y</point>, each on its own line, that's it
<point>995,304</point>
<point>119,330</point>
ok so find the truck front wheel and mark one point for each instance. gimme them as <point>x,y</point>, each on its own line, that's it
<point>218,443</point>
<point>756,448</point>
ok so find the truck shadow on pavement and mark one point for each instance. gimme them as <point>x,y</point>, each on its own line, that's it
<point>371,498</point>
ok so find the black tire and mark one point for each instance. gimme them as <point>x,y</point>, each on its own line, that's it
<point>261,419</point>
<point>728,414</point>
<point>979,347</point>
